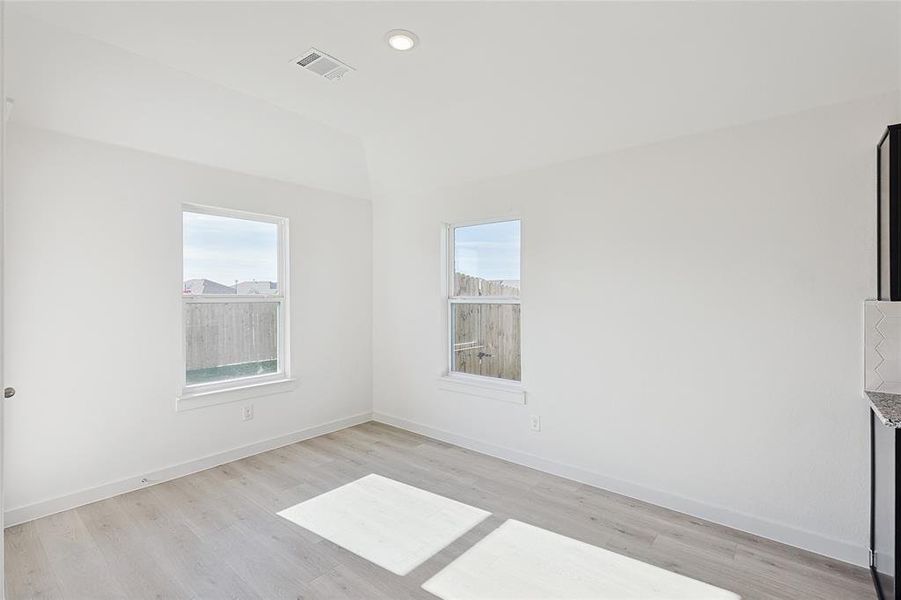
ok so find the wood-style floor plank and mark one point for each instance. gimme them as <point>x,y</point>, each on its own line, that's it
<point>28,573</point>
<point>75,558</point>
<point>216,534</point>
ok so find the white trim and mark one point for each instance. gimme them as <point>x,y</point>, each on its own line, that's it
<point>483,387</point>
<point>484,300</point>
<point>253,388</point>
<point>6,109</point>
<point>488,221</point>
<point>230,298</point>
<point>189,397</point>
<point>839,549</point>
<point>218,211</point>
<point>238,383</point>
<point>448,258</point>
<point>849,552</point>
<point>22,514</point>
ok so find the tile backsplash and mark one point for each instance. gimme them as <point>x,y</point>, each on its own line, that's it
<point>882,346</point>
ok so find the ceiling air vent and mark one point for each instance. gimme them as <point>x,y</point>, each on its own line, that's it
<point>322,64</point>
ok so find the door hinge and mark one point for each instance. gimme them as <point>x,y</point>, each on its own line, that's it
<point>872,559</point>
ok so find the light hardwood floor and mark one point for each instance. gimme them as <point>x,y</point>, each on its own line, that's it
<point>215,534</point>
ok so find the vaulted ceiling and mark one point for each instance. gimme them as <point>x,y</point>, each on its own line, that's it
<point>493,87</point>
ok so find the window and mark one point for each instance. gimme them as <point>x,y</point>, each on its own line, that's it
<point>234,297</point>
<point>483,301</point>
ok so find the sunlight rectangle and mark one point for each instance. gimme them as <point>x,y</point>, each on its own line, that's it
<point>391,524</point>
<point>518,561</point>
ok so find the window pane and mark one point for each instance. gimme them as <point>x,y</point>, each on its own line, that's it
<point>486,340</point>
<point>486,259</point>
<point>224,255</point>
<point>230,340</point>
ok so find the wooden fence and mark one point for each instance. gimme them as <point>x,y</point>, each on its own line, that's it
<point>486,336</point>
<point>218,334</point>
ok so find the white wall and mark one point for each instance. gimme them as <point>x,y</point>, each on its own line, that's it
<point>691,320</point>
<point>76,85</point>
<point>691,308</point>
<point>92,308</point>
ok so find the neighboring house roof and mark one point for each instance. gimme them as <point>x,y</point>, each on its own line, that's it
<point>257,287</point>
<point>206,286</point>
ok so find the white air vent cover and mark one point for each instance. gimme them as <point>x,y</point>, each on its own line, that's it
<point>322,64</point>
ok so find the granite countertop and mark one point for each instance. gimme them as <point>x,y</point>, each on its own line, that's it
<point>887,407</point>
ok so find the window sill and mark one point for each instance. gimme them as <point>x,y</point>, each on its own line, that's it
<point>200,399</point>
<point>483,387</point>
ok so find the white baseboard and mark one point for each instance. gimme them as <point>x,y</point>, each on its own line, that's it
<point>841,550</point>
<point>780,532</point>
<point>21,514</point>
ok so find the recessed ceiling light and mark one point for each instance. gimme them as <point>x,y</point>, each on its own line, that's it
<point>401,39</point>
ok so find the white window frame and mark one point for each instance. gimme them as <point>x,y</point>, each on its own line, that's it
<point>477,385</point>
<point>218,392</point>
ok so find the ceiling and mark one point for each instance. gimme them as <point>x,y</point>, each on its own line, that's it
<point>500,86</point>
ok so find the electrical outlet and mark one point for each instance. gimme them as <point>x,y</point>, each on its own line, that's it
<point>248,412</point>
<point>535,423</point>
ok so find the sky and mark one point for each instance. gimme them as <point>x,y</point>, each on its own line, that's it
<point>224,249</point>
<point>489,251</point>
